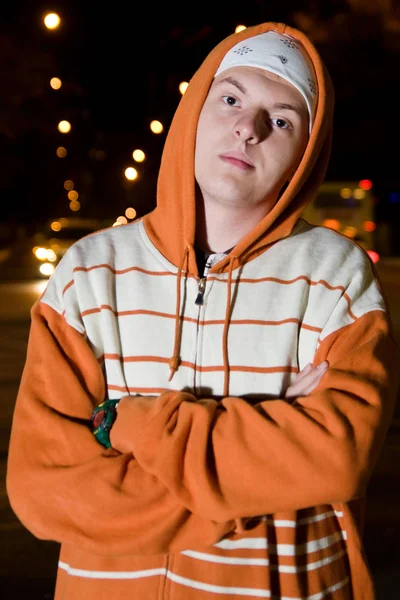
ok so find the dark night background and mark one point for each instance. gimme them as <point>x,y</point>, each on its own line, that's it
<point>121,64</point>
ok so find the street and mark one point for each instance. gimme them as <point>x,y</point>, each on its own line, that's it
<point>28,565</point>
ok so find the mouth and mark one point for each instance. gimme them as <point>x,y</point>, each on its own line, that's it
<point>237,160</point>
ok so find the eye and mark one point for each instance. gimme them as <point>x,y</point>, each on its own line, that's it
<point>280,123</point>
<point>230,100</point>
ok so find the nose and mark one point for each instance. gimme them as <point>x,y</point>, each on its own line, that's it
<point>251,127</point>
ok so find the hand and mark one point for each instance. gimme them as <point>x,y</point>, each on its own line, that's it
<point>306,380</point>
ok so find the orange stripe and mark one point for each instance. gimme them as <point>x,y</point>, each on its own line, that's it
<point>123,271</point>
<point>68,286</point>
<point>202,369</point>
<point>124,313</point>
<point>213,278</point>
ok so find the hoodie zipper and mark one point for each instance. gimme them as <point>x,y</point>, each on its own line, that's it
<point>200,292</point>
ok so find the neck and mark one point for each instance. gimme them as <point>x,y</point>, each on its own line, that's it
<point>219,227</point>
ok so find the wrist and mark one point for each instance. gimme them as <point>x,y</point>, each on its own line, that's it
<point>102,420</point>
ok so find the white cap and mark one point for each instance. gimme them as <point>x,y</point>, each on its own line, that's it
<point>280,54</point>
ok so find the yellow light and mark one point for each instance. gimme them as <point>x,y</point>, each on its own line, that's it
<point>61,152</point>
<point>345,193</point>
<point>121,220</point>
<point>51,255</point>
<point>156,127</point>
<point>331,224</point>
<point>116,223</point>
<point>131,173</point>
<point>55,83</point>
<point>73,195</point>
<point>183,86</point>
<point>64,126</point>
<point>130,213</point>
<point>47,269</point>
<point>56,226</point>
<point>358,194</point>
<point>41,253</point>
<point>75,205</point>
<point>240,28</point>
<point>350,231</point>
<point>69,184</point>
<point>138,155</point>
<point>52,20</point>
<point>34,249</point>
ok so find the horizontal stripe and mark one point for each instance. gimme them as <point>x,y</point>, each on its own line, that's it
<point>110,574</point>
<point>282,549</point>
<point>308,547</point>
<point>203,323</point>
<point>225,280</point>
<point>304,521</point>
<point>319,596</point>
<point>123,271</point>
<point>198,585</point>
<point>226,560</point>
<point>190,365</point>
<point>309,566</point>
<point>263,562</point>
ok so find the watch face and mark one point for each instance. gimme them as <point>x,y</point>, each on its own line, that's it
<point>98,418</point>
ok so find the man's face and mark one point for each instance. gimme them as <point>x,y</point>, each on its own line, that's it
<point>251,135</point>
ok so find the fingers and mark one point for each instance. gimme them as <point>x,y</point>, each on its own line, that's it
<point>306,380</point>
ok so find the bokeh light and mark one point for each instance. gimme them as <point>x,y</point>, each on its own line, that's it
<point>240,28</point>
<point>56,226</point>
<point>75,205</point>
<point>52,20</point>
<point>73,195</point>
<point>55,83</point>
<point>131,173</point>
<point>130,213</point>
<point>138,155</point>
<point>61,152</point>
<point>69,184</point>
<point>64,126</point>
<point>156,126</point>
<point>183,86</point>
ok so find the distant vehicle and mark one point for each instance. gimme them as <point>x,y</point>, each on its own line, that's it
<point>346,207</point>
<point>56,237</point>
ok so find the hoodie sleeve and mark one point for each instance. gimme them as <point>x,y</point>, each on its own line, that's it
<point>231,459</point>
<point>61,483</point>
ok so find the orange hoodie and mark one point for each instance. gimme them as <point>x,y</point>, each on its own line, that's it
<point>215,487</point>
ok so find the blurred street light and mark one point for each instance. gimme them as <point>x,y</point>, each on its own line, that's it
<point>183,87</point>
<point>69,184</point>
<point>61,152</point>
<point>64,126</point>
<point>240,28</point>
<point>130,213</point>
<point>73,195</point>
<point>75,205</point>
<point>138,155</point>
<point>131,173</point>
<point>52,20</point>
<point>156,126</point>
<point>55,83</point>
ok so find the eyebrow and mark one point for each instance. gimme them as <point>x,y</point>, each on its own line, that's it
<point>282,105</point>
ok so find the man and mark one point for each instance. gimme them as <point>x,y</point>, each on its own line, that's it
<point>207,390</point>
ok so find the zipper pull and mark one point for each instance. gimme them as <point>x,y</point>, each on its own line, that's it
<point>200,293</point>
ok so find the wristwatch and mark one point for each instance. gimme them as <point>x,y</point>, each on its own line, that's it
<point>102,420</point>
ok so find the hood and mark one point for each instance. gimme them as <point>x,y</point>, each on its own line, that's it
<point>175,210</point>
